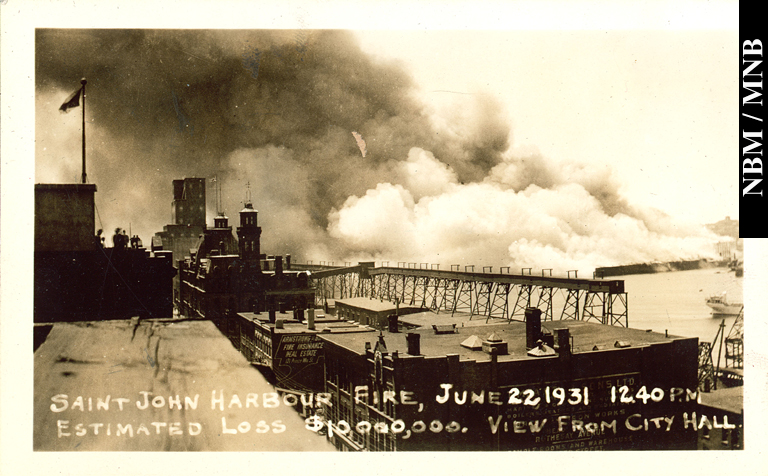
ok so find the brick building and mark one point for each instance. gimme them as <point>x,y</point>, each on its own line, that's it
<point>291,349</point>
<point>564,385</point>
<point>225,275</point>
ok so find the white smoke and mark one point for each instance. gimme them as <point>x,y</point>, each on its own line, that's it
<point>426,216</point>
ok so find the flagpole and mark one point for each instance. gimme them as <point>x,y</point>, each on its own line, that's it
<point>83,81</point>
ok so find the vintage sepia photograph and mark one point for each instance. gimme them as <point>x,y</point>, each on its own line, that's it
<point>315,236</point>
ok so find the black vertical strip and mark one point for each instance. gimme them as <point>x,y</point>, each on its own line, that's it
<point>752,180</point>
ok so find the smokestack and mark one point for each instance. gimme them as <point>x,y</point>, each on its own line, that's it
<point>414,343</point>
<point>392,323</point>
<point>311,319</point>
<point>278,266</point>
<point>532,327</point>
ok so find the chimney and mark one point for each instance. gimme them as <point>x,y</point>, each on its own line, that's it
<point>288,262</point>
<point>272,315</point>
<point>532,327</point>
<point>392,323</point>
<point>563,342</point>
<point>311,319</point>
<point>278,265</point>
<point>279,324</point>
<point>414,343</point>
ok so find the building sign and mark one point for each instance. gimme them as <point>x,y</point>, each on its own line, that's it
<point>299,349</point>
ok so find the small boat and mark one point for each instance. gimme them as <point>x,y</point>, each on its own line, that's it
<point>720,305</point>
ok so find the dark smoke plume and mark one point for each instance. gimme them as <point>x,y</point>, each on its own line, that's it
<point>274,112</point>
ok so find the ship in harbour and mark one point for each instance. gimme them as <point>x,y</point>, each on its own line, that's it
<point>722,307</point>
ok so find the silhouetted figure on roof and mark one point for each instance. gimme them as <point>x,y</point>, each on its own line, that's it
<point>119,239</point>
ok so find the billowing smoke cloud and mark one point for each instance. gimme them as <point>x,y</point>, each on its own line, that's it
<point>491,223</point>
<point>272,115</point>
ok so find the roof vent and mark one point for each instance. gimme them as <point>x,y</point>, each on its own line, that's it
<point>473,342</point>
<point>494,342</point>
<point>541,350</point>
<point>444,329</point>
<point>621,344</point>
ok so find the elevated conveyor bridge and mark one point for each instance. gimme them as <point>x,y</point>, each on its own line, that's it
<point>482,295</point>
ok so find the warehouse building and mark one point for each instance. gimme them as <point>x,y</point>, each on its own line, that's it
<point>554,385</point>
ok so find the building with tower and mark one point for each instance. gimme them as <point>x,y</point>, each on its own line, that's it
<point>187,218</point>
<point>187,222</point>
<point>249,234</point>
<point>223,275</point>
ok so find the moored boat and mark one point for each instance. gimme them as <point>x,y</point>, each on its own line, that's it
<point>721,306</point>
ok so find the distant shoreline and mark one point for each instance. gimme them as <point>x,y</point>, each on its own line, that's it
<point>649,268</point>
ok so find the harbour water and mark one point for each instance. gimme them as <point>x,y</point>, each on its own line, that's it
<point>675,301</point>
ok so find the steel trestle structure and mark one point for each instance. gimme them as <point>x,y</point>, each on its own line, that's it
<point>485,295</point>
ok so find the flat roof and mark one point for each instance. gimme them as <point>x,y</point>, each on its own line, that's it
<point>86,187</point>
<point>461,319</point>
<point>585,335</point>
<point>373,304</point>
<point>324,324</point>
<point>179,359</point>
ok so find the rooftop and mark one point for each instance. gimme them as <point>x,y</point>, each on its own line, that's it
<point>324,324</point>
<point>172,359</point>
<point>66,186</point>
<point>586,336</point>
<point>373,304</point>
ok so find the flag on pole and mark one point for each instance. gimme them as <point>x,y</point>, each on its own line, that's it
<point>72,101</point>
